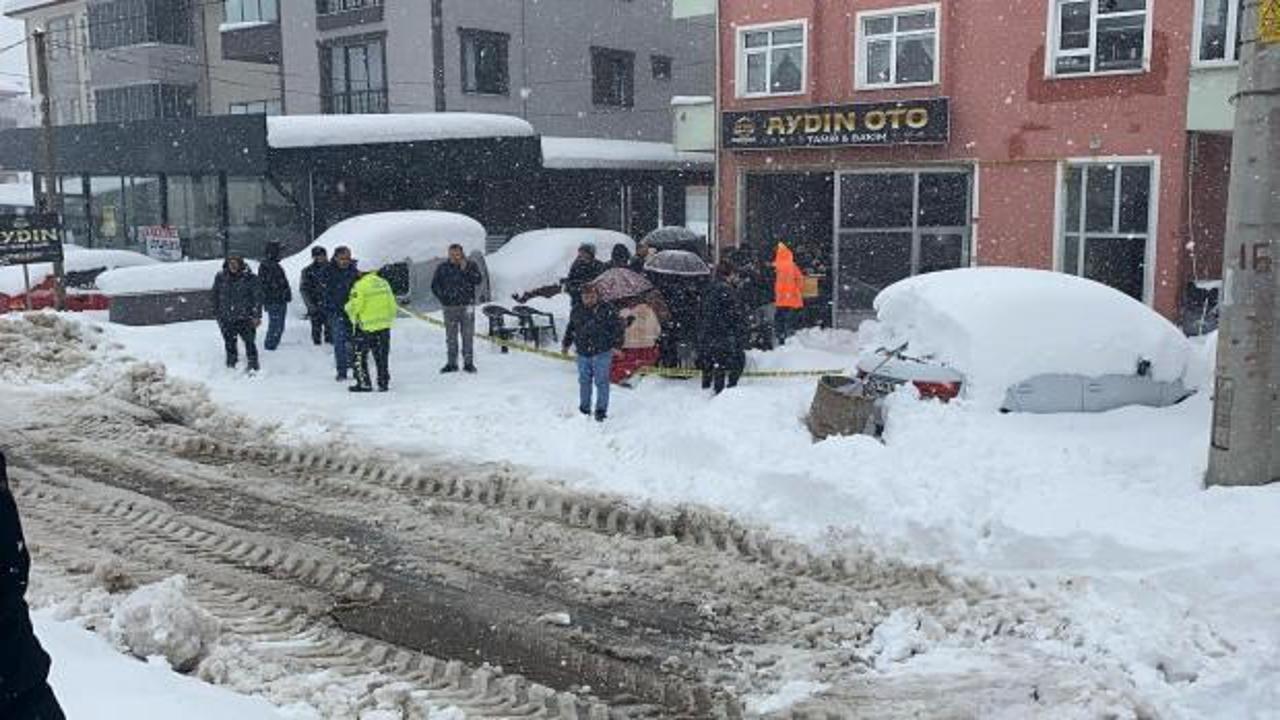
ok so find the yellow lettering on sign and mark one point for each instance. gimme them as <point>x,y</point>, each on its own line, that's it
<point>917,118</point>
<point>1269,21</point>
<point>812,123</point>
<point>874,120</point>
<point>793,123</point>
<point>895,117</point>
<point>847,122</point>
<point>775,126</point>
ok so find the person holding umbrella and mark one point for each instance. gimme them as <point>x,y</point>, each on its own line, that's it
<point>640,319</point>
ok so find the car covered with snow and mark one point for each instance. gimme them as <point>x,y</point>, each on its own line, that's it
<point>1023,341</point>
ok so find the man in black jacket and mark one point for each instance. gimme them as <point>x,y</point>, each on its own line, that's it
<point>594,331</point>
<point>312,287</point>
<point>276,294</point>
<point>722,332</point>
<point>339,276</point>
<point>584,269</point>
<point>24,665</point>
<point>454,285</point>
<point>237,306</point>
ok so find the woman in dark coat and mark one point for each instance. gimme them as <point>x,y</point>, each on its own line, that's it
<point>722,333</point>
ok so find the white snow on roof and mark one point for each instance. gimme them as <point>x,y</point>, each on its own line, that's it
<point>1000,326</point>
<point>687,100</point>
<point>559,153</point>
<point>17,194</point>
<point>296,131</point>
<point>13,7</point>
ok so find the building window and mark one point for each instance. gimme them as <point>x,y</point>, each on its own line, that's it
<point>330,7</point>
<point>145,102</point>
<point>1100,36</point>
<point>256,107</point>
<point>241,11</point>
<point>119,23</point>
<point>484,62</point>
<point>354,77</point>
<point>613,77</point>
<point>1106,224</point>
<point>1218,31</point>
<point>897,223</point>
<point>661,65</point>
<point>898,47</point>
<point>772,60</point>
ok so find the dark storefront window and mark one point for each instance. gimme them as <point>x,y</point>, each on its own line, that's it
<point>1107,224</point>
<point>145,102</point>
<point>484,62</point>
<point>106,204</point>
<point>195,211</point>
<point>354,76</point>
<point>613,77</point>
<point>119,23</point>
<point>259,213</point>
<point>895,224</point>
<point>75,209</point>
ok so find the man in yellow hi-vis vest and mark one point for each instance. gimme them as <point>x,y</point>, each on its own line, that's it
<point>372,310</point>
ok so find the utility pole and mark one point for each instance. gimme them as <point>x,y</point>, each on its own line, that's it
<point>50,200</point>
<point>1245,442</point>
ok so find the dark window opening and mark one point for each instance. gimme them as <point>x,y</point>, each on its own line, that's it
<point>484,62</point>
<point>121,23</point>
<point>145,102</point>
<point>661,67</point>
<point>354,77</point>
<point>613,77</point>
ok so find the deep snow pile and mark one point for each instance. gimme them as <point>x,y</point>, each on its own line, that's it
<point>75,259</point>
<point>1001,326</point>
<point>190,275</point>
<point>44,346</point>
<point>161,620</point>
<point>380,239</point>
<point>542,257</point>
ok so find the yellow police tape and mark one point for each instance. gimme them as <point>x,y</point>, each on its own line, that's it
<point>677,373</point>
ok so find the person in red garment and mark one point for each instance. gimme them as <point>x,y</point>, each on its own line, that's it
<point>640,342</point>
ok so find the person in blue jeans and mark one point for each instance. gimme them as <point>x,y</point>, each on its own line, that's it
<point>594,331</point>
<point>276,294</point>
<point>338,279</point>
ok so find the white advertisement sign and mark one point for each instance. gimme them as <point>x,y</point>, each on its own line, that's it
<point>162,242</point>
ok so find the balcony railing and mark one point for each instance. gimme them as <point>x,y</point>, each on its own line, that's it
<point>330,7</point>
<point>357,102</point>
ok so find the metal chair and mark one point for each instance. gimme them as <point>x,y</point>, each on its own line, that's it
<point>498,327</point>
<point>531,329</point>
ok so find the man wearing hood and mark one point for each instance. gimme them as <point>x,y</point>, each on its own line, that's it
<point>338,279</point>
<point>237,306</point>
<point>276,294</point>
<point>788,290</point>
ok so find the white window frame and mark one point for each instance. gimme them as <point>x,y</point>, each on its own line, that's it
<point>861,81</point>
<point>740,71</point>
<point>1054,51</point>
<point>1151,252</point>
<point>1232,59</point>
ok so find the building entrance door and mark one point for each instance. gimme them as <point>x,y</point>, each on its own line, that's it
<point>893,224</point>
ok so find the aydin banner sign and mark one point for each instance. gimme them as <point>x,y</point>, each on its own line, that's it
<point>887,123</point>
<point>26,239</point>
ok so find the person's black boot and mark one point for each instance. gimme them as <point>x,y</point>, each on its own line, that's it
<point>470,367</point>
<point>360,388</point>
<point>601,415</point>
<point>450,368</point>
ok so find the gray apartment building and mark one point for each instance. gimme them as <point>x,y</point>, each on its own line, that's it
<point>575,68</point>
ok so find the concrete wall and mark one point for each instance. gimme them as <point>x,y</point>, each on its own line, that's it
<point>1209,108</point>
<point>69,68</point>
<point>1008,120</point>
<point>229,81</point>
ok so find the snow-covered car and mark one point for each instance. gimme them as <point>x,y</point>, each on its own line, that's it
<point>1023,341</point>
<point>541,257</point>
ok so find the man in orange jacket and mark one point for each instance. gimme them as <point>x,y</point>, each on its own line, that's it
<point>788,292</point>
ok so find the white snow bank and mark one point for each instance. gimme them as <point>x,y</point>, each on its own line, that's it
<point>296,131</point>
<point>542,257</point>
<point>1000,326</point>
<point>94,682</point>
<point>75,259</point>
<point>161,620</point>
<point>196,275</point>
<point>384,238</point>
<point>559,153</point>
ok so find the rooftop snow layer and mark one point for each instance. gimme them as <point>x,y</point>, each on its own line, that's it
<point>296,131</point>
<point>1000,326</point>
<point>561,153</point>
<point>13,7</point>
<point>688,100</point>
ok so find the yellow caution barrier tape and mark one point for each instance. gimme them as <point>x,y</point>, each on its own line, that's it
<point>672,373</point>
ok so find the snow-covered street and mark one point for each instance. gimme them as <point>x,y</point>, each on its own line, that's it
<point>1094,527</point>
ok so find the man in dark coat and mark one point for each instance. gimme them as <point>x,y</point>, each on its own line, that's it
<point>755,281</point>
<point>642,254</point>
<point>237,306</point>
<point>594,331</point>
<point>276,294</point>
<point>620,257</point>
<point>454,285</point>
<point>722,332</point>
<point>339,276</point>
<point>312,288</point>
<point>584,269</point>
<point>24,665</point>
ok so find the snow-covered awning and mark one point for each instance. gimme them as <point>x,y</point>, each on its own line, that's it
<point>559,153</point>
<point>308,131</point>
<point>14,7</point>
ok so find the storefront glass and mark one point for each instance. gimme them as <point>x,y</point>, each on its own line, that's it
<point>142,206</point>
<point>895,224</point>
<point>75,209</point>
<point>106,205</point>
<point>194,212</point>
<point>1106,223</point>
<point>258,214</point>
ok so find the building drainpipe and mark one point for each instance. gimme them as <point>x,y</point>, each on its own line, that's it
<point>437,52</point>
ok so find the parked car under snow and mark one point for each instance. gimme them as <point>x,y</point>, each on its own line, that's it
<point>1023,341</point>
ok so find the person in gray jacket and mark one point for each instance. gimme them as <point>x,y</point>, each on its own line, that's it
<point>454,285</point>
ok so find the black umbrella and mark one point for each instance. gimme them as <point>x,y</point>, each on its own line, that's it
<point>676,262</point>
<point>676,238</point>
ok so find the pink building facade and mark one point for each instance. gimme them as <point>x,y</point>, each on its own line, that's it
<point>884,138</point>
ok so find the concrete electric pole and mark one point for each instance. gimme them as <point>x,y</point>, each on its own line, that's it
<point>50,200</point>
<point>1245,442</point>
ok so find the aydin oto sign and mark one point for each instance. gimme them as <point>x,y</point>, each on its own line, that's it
<point>886,123</point>
<point>27,239</point>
